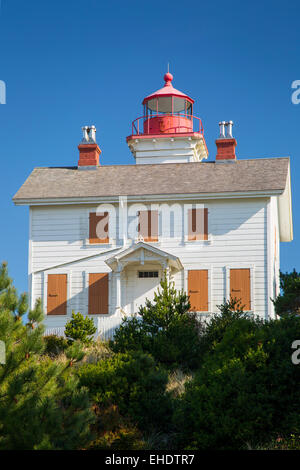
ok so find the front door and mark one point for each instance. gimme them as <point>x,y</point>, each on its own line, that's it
<point>147,282</point>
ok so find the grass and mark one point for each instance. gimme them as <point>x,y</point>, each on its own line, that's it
<point>177,381</point>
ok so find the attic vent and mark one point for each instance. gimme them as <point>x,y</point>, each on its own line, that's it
<point>144,274</point>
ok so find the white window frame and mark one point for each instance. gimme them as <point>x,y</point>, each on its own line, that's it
<point>153,207</point>
<point>112,242</point>
<point>209,240</point>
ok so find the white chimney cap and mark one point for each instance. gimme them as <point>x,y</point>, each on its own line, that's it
<point>89,134</point>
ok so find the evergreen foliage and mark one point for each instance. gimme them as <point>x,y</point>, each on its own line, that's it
<point>288,302</point>
<point>134,383</point>
<point>246,392</point>
<point>80,328</point>
<point>164,328</point>
<point>55,345</point>
<point>41,404</point>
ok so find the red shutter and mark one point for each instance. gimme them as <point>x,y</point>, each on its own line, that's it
<point>240,286</point>
<point>57,294</point>
<point>98,293</point>
<point>198,290</point>
<point>198,224</point>
<point>148,225</point>
<point>98,229</point>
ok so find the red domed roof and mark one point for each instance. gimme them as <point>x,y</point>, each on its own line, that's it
<point>167,90</point>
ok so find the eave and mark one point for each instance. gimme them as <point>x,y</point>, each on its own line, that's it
<point>146,197</point>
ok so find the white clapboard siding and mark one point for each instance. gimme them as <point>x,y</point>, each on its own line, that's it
<point>239,236</point>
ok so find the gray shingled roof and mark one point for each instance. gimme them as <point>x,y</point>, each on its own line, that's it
<point>175,178</point>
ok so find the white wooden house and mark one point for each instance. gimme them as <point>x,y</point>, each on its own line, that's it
<point>101,236</point>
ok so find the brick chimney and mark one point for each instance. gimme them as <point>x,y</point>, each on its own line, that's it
<point>226,143</point>
<point>89,150</point>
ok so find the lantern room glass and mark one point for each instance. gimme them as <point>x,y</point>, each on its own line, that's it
<point>168,105</point>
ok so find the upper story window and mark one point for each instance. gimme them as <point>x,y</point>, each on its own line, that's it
<point>197,224</point>
<point>148,225</point>
<point>99,227</point>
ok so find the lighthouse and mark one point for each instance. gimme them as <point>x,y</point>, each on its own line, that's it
<point>168,131</point>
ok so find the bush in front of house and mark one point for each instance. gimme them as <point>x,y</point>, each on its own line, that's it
<point>80,328</point>
<point>247,390</point>
<point>115,432</point>
<point>55,345</point>
<point>165,329</point>
<point>134,383</point>
<point>215,328</point>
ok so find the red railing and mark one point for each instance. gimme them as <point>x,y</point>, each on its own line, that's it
<point>142,125</point>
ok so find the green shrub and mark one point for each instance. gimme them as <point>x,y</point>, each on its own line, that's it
<point>55,345</point>
<point>115,432</point>
<point>134,383</point>
<point>217,325</point>
<point>288,301</point>
<point>80,328</point>
<point>247,390</point>
<point>291,442</point>
<point>166,330</point>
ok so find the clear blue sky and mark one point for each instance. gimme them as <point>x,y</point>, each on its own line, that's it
<point>72,63</point>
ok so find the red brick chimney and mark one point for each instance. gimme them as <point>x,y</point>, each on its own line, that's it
<point>226,143</point>
<point>89,150</point>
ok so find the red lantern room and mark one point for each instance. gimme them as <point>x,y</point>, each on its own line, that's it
<point>167,111</point>
<point>168,131</point>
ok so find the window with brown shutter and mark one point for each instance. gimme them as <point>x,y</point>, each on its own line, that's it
<point>98,227</point>
<point>198,290</point>
<point>98,293</point>
<point>197,224</point>
<point>148,225</point>
<point>240,286</point>
<point>57,294</point>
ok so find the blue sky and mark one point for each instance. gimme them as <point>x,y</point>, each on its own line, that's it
<point>72,63</point>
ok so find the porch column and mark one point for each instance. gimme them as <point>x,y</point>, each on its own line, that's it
<point>118,286</point>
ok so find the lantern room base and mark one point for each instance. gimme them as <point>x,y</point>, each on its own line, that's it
<point>149,149</point>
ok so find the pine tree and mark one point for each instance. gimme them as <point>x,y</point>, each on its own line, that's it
<point>164,328</point>
<point>41,404</point>
<point>167,306</point>
<point>80,328</point>
<point>288,302</point>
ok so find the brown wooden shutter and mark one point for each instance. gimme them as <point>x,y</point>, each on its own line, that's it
<point>95,237</point>
<point>197,224</point>
<point>98,293</point>
<point>198,290</point>
<point>240,286</point>
<point>148,225</point>
<point>57,294</point>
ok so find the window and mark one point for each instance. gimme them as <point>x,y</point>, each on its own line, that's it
<point>98,293</point>
<point>57,294</point>
<point>147,274</point>
<point>198,290</point>
<point>197,224</point>
<point>98,227</point>
<point>148,225</point>
<point>240,287</point>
